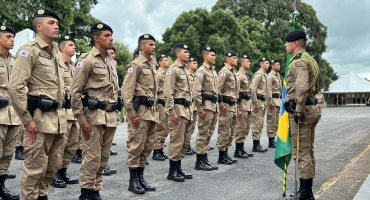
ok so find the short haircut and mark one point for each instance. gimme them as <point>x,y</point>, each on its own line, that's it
<point>93,34</point>
<point>241,60</point>
<point>37,20</point>
<point>176,50</point>
<point>160,59</point>
<point>142,42</point>
<point>62,44</point>
<point>205,52</point>
<point>225,58</point>
<point>302,42</point>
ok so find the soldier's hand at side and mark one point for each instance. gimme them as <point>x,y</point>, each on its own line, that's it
<point>31,132</point>
<point>271,107</point>
<point>299,114</point>
<point>223,111</point>
<point>86,130</point>
<point>202,116</point>
<point>135,121</point>
<point>256,109</point>
<point>174,120</point>
<point>240,115</point>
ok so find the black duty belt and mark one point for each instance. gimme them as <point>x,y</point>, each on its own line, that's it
<point>93,104</point>
<point>244,96</point>
<point>229,101</point>
<point>4,102</point>
<point>161,101</point>
<point>261,97</point>
<point>276,95</point>
<point>311,101</point>
<point>45,105</point>
<point>211,98</point>
<point>185,102</point>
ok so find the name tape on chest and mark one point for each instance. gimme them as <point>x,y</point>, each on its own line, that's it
<point>146,67</point>
<point>45,56</point>
<point>66,70</point>
<point>23,53</point>
<point>79,65</point>
<point>130,70</point>
<point>99,66</point>
<point>1,65</point>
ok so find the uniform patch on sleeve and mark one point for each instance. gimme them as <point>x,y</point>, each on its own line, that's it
<point>223,74</point>
<point>130,70</point>
<point>297,63</point>
<point>268,77</point>
<point>79,65</point>
<point>200,74</point>
<point>255,76</point>
<point>24,53</point>
<point>168,72</point>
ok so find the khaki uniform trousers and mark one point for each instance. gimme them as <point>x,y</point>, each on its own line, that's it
<point>140,143</point>
<point>257,123</point>
<point>306,161</point>
<point>205,132</point>
<point>242,127</point>
<point>320,106</point>
<point>179,139</point>
<point>162,129</point>
<point>19,140</point>
<point>233,129</point>
<point>8,135</point>
<point>272,121</point>
<point>80,142</point>
<point>41,163</point>
<point>95,156</point>
<point>70,143</point>
<point>194,122</point>
<point>225,129</point>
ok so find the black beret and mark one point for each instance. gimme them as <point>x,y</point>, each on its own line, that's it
<point>45,13</point>
<point>146,37</point>
<point>295,35</point>
<point>262,59</point>
<point>136,52</point>
<point>114,49</point>
<point>65,38</point>
<point>245,57</point>
<point>230,54</point>
<point>7,29</point>
<point>274,61</point>
<point>192,59</point>
<point>100,27</point>
<point>161,56</point>
<point>208,48</point>
<point>181,46</point>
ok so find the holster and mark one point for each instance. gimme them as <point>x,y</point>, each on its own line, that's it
<point>4,102</point>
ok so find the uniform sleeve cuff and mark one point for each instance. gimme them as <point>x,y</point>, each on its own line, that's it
<point>300,108</point>
<point>132,114</point>
<point>172,112</point>
<point>27,120</point>
<point>81,120</point>
<point>199,109</point>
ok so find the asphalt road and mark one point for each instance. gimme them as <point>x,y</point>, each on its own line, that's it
<point>342,164</point>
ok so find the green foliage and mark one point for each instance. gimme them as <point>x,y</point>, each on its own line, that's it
<point>123,58</point>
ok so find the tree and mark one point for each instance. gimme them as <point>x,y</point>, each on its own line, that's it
<point>276,16</point>
<point>123,58</point>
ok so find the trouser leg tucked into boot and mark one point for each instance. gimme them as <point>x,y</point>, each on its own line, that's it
<point>305,190</point>
<point>200,164</point>
<point>205,158</point>
<point>96,195</point>
<point>228,157</point>
<point>238,151</point>
<point>173,174</point>
<point>242,149</point>
<point>222,159</point>
<point>134,185</point>
<point>143,183</point>
<point>257,147</point>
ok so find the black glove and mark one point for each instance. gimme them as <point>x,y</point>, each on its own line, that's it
<point>300,119</point>
<point>290,106</point>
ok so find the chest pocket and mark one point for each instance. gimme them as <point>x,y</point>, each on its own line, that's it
<point>2,69</point>
<point>100,74</point>
<point>147,77</point>
<point>231,81</point>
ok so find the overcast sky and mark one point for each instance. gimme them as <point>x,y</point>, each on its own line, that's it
<point>348,26</point>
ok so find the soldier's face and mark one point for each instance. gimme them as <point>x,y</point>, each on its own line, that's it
<point>112,54</point>
<point>233,61</point>
<point>247,63</point>
<point>69,48</point>
<point>149,47</point>
<point>265,65</point>
<point>210,58</point>
<point>49,28</point>
<point>7,40</point>
<point>289,47</point>
<point>164,63</point>
<point>105,39</point>
<point>193,65</point>
<point>276,67</point>
<point>183,55</point>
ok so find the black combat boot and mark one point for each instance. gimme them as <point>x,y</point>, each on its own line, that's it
<point>305,190</point>
<point>222,159</point>
<point>173,174</point>
<point>205,158</point>
<point>163,154</point>
<point>19,153</point>
<point>58,182</point>
<point>42,198</point>
<point>183,174</point>
<point>201,165</point>
<point>244,152</point>
<point>211,148</point>
<point>189,152</point>
<point>86,194</point>
<point>238,151</point>
<point>228,157</point>
<point>5,194</point>
<point>111,170</point>
<point>96,195</point>
<point>113,153</point>
<point>66,178</point>
<point>77,158</point>
<point>145,185</point>
<point>157,155</point>
<point>272,143</point>
<point>257,147</point>
<point>9,175</point>
<point>134,185</point>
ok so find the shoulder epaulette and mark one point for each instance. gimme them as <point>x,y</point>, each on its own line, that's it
<point>298,56</point>
<point>83,55</point>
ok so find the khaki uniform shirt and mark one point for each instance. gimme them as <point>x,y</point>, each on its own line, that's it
<point>273,87</point>
<point>205,82</point>
<point>227,86</point>
<point>301,82</point>
<point>320,98</point>
<point>259,85</point>
<point>36,68</point>
<point>160,80</point>
<point>69,70</point>
<point>96,77</point>
<point>191,79</point>
<point>177,86</point>
<point>140,80</point>
<point>8,116</point>
<point>244,88</point>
